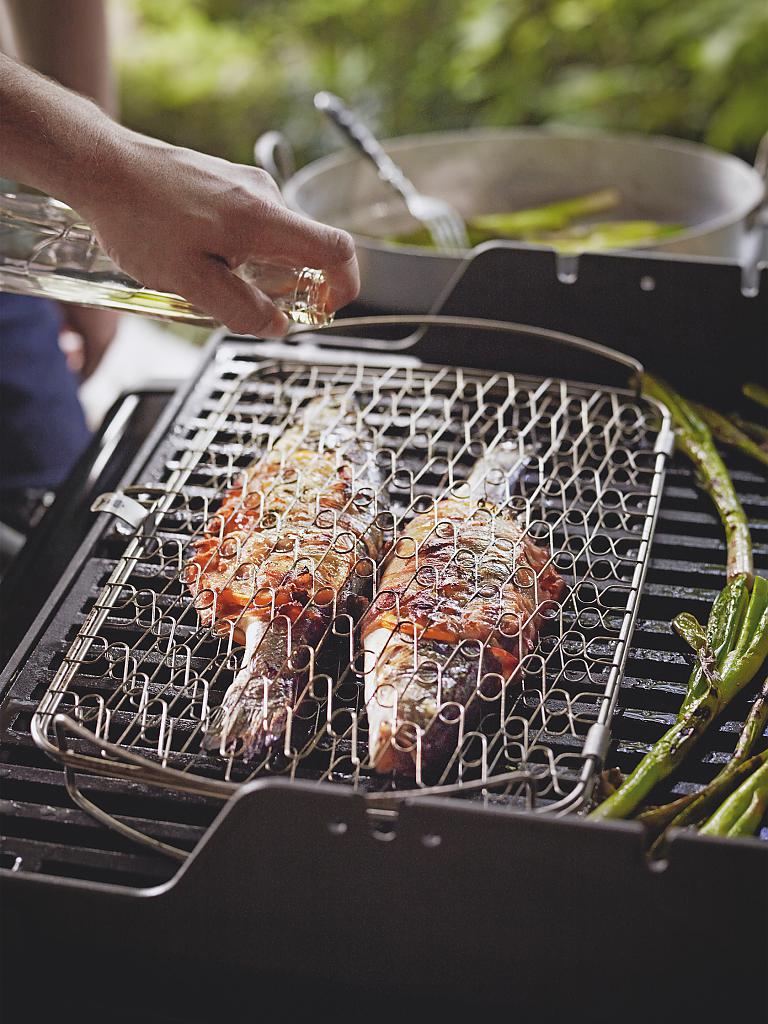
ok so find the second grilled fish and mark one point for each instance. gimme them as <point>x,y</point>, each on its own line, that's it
<point>458,607</point>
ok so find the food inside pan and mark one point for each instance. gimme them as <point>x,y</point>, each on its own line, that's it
<point>568,225</point>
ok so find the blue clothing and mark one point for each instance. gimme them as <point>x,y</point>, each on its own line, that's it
<point>42,426</point>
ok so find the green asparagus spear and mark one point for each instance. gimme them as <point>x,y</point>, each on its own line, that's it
<point>522,223</point>
<point>659,762</point>
<point>548,217</point>
<point>737,668</point>
<point>729,651</point>
<point>694,438</point>
<point>691,630</point>
<point>725,619</point>
<point>756,431</point>
<point>737,812</point>
<point>599,236</point>
<point>730,434</point>
<point>750,820</point>
<point>693,808</point>
<point>757,393</point>
<point>740,665</point>
<point>595,236</point>
<point>694,634</point>
<point>658,819</point>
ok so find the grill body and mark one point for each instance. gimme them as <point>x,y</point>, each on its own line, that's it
<point>444,904</point>
<point>463,908</point>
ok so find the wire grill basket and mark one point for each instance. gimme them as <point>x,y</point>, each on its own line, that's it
<point>145,674</point>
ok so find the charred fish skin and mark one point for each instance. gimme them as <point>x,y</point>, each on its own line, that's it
<point>283,559</point>
<point>469,575</point>
<point>416,720</point>
<point>252,718</point>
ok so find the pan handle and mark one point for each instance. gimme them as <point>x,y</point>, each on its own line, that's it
<point>274,153</point>
<point>759,216</point>
<point>756,228</point>
<point>761,159</point>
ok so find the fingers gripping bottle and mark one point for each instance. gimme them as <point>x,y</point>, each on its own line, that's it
<point>47,252</point>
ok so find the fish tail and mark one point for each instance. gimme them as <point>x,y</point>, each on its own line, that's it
<point>250,720</point>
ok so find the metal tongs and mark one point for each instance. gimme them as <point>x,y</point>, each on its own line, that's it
<point>445,225</point>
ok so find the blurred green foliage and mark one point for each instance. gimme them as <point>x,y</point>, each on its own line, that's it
<point>214,74</point>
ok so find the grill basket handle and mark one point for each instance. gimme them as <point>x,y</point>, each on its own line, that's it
<point>443,340</point>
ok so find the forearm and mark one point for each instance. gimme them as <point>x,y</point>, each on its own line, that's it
<point>175,220</point>
<point>67,41</point>
<point>50,138</point>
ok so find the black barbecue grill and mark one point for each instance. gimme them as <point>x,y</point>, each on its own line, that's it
<point>511,867</point>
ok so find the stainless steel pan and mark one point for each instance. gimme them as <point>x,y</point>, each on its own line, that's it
<point>479,171</point>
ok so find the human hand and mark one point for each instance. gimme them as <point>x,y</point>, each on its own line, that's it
<point>180,221</point>
<point>94,330</point>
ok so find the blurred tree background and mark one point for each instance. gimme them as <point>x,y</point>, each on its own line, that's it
<point>215,74</point>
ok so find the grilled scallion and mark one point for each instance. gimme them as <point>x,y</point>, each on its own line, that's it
<point>727,432</point>
<point>735,668</point>
<point>694,807</point>
<point>756,431</point>
<point>757,393</point>
<point>742,812</point>
<point>694,438</point>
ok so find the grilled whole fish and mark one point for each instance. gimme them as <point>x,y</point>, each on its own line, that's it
<point>280,559</point>
<point>459,605</point>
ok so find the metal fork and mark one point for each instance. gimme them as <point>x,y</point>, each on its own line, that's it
<point>445,225</point>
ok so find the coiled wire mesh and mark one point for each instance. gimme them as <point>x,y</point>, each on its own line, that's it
<point>137,689</point>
